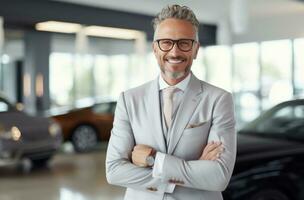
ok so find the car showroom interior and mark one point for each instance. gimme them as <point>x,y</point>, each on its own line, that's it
<point>65,63</point>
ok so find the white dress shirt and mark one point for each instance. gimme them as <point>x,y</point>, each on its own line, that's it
<point>177,98</point>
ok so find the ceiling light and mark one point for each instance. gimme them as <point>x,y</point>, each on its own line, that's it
<point>60,27</point>
<point>109,32</point>
<point>97,31</point>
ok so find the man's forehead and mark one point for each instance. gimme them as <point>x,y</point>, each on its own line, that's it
<point>175,28</point>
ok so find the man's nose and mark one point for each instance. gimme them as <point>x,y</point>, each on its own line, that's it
<point>175,50</point>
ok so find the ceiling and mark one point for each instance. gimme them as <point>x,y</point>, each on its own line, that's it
<point>207,11</point>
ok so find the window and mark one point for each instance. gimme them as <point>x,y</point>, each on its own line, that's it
<point>151,70</point>
<point>299,67</point>
<point>198,65</point>
<point>61,79</point>
<point>284,121</point>
<point>105,108</point>
<point>83,77</point>
<point>276,72</point>
<point>218,62</point>
<point>120,74</point>
<point>246,81</point>
<point>102,76</point>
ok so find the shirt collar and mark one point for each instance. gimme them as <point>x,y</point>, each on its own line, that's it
<point>181,85</point>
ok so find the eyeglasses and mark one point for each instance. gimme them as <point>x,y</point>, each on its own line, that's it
<point>167,44</point>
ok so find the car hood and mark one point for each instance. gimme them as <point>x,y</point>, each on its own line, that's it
<point>30,127</point>
<point>252,144</point>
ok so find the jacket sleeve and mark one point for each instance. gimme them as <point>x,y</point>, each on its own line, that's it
<point>119,168</point>
<point>205,174</point>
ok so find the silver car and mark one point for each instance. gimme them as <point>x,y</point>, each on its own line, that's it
<point>26,139</point>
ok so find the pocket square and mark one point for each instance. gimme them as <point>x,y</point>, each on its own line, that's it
<point>195,125</point>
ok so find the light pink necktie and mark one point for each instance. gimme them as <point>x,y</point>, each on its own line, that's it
<point>168,104</point>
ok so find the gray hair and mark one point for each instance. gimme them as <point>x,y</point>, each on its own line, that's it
<point>176,12</point>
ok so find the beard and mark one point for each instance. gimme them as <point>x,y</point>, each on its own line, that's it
<point>175,75</point>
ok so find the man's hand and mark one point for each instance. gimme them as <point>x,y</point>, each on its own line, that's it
<point>140,154</point>
<point>212,151</point>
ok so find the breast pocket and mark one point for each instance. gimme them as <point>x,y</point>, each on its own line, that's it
<point>193,141</point>
<point>192,127</point>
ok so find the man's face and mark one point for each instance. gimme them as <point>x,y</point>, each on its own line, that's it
<point>175,64</point>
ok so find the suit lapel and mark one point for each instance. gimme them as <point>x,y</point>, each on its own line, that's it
<point>189,103</point>
<point>155,114</point>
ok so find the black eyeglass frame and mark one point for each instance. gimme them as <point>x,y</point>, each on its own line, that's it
<point>175,42</point>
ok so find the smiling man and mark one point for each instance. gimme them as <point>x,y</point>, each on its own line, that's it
<point>175,60</point>
<point>174,137</point>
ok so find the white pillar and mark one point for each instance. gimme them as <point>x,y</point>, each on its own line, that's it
<point>141,54</point>
<point>239,16</point>
<point>223,34</point>
<point>1,37</point>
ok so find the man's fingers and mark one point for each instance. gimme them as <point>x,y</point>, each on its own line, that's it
<point>211,146</point>
<point>143,149</point>
<point>141,146</point>
<point>138,158</point>
<point>140,153</point>
<point>215,154</point>
<point>212,152</point>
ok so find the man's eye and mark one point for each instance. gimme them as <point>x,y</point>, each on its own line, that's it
<point>166,42</point>
<point>184,43</point>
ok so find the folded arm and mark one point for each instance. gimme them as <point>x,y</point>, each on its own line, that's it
<point>119,168</point>
<point>206,174</point>
<point>210,172</point>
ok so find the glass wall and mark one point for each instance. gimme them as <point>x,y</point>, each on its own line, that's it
<point>100,73</point>
<point>151,68</point>
<point>10,60</point>
<point>299,67</point>
<point>218,63</point>
<point>61,79</point>
<point>119,82</point>
<point>83,79</point>
<point>276,82</point>
<point>198,65</point>
<point>102,76</point>
<point>259,75</point>
<point>246,80</point>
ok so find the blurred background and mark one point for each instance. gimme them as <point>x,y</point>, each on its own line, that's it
<point>63,64</point>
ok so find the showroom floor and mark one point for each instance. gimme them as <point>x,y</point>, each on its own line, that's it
<point>68,176</point>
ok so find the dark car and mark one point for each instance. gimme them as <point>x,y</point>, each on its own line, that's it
<point>270,158</point>
<point>84,127</point>
<point>24,137</point>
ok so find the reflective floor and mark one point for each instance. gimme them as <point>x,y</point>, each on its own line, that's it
<point>69,176</point>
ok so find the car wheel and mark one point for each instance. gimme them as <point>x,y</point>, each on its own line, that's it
<point>40,163</point>
<point>25,165</point>
<point>84,138</point>
<point>269,194</point>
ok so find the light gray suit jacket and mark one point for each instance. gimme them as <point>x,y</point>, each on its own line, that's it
<point>206,113</point>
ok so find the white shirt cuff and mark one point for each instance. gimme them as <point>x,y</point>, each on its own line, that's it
<point>158,170</point>
<point>158,165</point>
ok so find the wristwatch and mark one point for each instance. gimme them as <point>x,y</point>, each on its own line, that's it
<point>150,160</point>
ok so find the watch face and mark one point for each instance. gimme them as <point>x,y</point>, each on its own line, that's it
<point>150,161</point>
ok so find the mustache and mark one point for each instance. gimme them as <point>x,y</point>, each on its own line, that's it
<point>176,57</point>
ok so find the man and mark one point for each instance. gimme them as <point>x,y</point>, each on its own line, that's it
<point>174,137</point>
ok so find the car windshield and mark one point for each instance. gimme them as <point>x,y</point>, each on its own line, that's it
<point>105,108</point>
<point>5,106</point>
<point>283,121</point>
